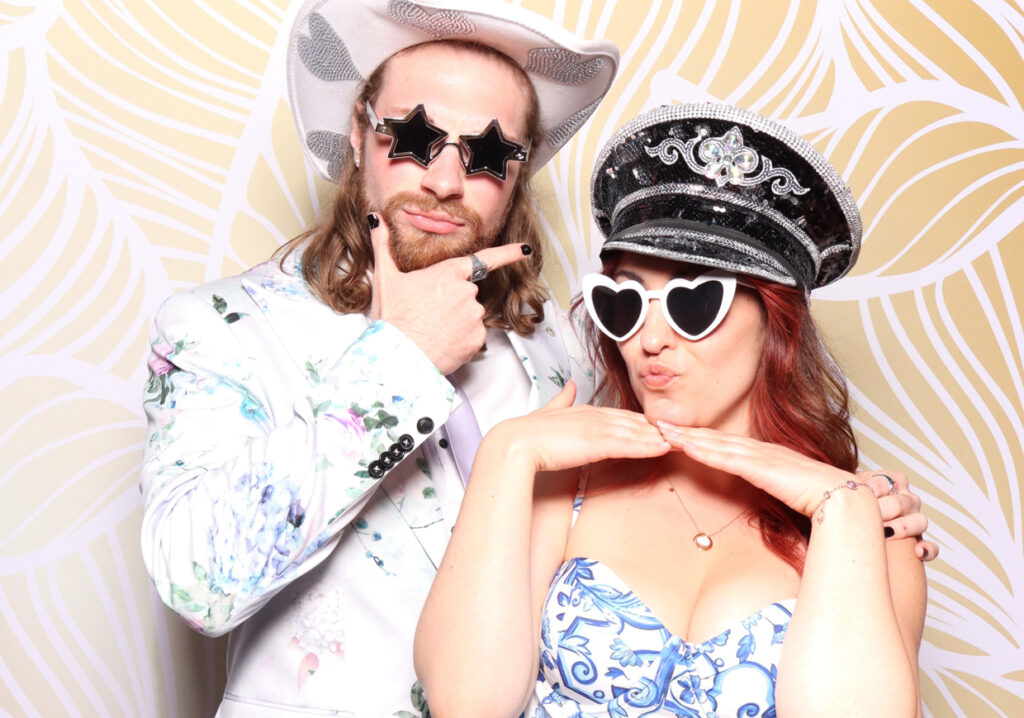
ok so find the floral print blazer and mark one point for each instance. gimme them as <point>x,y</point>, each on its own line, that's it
<point>263,514</point>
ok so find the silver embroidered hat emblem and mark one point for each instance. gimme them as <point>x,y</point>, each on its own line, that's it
<point>726,160</point>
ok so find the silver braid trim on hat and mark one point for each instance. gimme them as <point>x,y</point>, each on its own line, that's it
<point>696,190</point>
<point>727,113</point>
<point>671,149</point>
<point>563,132</point>
<point>563,66</point>
<point>438,24</point>
<point>835,249</point>
<point>770,269</point>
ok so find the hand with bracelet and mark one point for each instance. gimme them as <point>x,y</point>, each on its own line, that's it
<point>803,484</point>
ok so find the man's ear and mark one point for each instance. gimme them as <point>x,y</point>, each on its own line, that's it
<point>355,137</point>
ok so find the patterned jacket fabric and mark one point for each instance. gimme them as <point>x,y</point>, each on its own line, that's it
<point>267,414</point>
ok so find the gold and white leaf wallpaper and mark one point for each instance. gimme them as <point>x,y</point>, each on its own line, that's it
<point>147,146</point>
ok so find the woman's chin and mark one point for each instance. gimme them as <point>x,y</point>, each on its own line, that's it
<point>678,416</point>
<point>670,414</point>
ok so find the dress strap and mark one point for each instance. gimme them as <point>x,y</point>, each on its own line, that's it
<point>577,502</point>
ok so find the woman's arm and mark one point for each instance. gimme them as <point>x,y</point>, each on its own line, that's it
<point>851,646</point>
<point>476,648</point>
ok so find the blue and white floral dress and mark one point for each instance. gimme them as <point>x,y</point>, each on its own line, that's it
<point>603,652</point>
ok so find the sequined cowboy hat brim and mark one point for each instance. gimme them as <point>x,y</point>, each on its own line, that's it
<point>723,187</point>
<point>335,44</point>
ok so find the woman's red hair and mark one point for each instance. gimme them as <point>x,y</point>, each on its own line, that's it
<point>799,400</point>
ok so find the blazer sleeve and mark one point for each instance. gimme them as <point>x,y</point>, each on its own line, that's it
<point>240,500</point>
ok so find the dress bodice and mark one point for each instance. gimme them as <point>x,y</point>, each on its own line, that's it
<point>604,653</point>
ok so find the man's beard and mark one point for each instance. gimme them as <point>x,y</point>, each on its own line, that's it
<point>413,249</point>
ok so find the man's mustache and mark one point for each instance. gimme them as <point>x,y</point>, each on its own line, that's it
<point>430,203</point>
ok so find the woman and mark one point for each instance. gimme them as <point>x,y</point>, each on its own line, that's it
<point>720,557</point>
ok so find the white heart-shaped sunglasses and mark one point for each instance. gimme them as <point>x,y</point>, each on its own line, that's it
<point>692,307</point>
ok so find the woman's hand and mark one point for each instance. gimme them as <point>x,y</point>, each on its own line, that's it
<point>562,436</point>
<point>794,479</point>
<point>799,481</point>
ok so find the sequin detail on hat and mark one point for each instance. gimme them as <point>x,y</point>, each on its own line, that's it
<point>727,200</point>
<point>328,146</point>
<point>726,160</point>
<point>438,24</point>
<point>561,133</point>
<point>704,248</point>
<point>562,65</point>
<point>324,54</point>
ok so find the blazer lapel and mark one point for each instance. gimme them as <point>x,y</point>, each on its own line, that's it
<point>544,359</point>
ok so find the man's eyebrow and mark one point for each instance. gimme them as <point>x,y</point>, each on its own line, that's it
<point>399,113</point>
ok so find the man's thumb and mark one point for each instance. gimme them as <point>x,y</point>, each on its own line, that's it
<point>383,262</point>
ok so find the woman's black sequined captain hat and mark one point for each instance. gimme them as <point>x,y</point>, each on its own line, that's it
<point>722,187</point>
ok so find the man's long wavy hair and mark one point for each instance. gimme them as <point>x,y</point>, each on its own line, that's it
<point>337,254</point>
<point>799,400</point>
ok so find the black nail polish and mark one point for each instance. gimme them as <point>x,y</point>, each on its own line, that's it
<point>372,220</point>
<point>924,553</point>
<point>889,532</point>
<point>527,249</point>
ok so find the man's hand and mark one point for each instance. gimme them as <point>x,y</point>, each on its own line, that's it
<point>436,306</point>
<point>900,508</point>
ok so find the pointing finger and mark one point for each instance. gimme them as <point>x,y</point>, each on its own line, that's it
<point>493,257</point>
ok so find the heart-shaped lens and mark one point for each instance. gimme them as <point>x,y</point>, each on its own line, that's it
<point>617,311</point>
<point>695,309</point>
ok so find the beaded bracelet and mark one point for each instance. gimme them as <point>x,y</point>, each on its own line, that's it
<point>819,510</point>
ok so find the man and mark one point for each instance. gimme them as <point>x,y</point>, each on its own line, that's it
<point>302,473</point>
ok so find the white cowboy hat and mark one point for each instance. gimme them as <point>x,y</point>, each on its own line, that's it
<point>336,44</point>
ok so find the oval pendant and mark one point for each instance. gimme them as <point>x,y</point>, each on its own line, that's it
<point>702,541</point>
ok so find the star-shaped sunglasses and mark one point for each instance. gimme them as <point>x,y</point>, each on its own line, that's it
<point>414,136</point>
<point>692,307</point>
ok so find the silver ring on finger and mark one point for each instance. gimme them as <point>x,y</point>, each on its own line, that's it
<point>892,484</point>
<point>479,269</point>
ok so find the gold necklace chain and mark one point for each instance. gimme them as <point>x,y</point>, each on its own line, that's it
<point>701,539</point>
